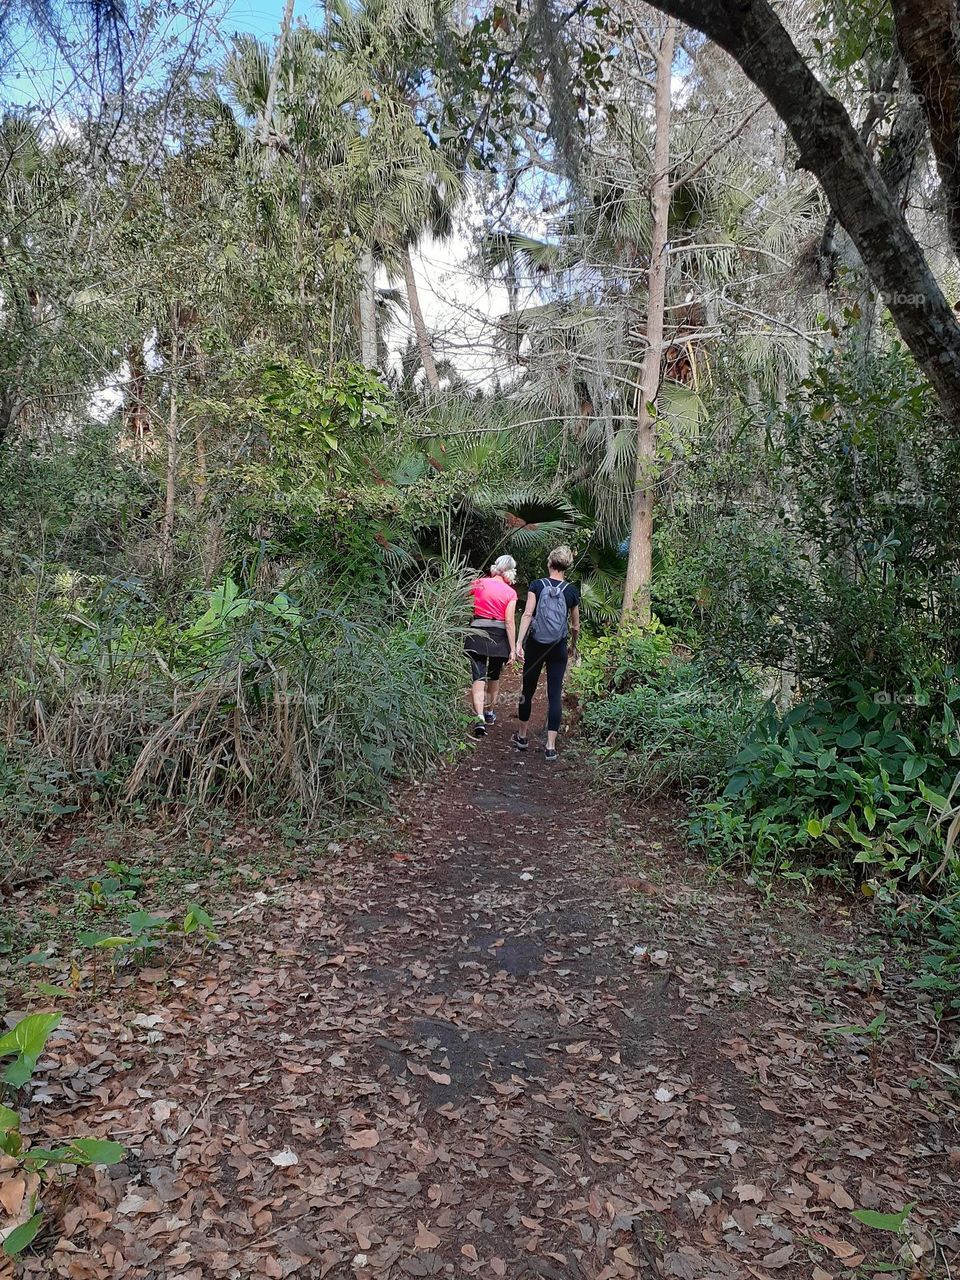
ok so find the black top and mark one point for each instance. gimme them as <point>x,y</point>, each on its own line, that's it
<point>570,592</point>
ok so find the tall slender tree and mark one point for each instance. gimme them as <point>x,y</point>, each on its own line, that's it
<point>636,590</point>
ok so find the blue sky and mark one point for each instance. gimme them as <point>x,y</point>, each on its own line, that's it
<point>36,73</point>
<point>262,17</point>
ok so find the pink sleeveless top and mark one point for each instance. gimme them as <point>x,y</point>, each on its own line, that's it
<point>491,596</point>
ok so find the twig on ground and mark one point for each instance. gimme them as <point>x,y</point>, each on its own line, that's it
<point>536,911</point>
<point>196,1116</point>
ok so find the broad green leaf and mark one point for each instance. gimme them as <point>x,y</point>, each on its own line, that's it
<point>98,1150</point>
<point>105,941</point>
<point>39,1157</point>
<point>913,768</point>
<point>9,1119</point>
<point>933,798</point>
<point>138,921</point>
<point>23,1235</point>
<point>30,1034</point>
<point>884,1221</point>
<point>19,1071</point>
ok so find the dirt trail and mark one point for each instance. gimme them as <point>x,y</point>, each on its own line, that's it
<point>444,1058</point>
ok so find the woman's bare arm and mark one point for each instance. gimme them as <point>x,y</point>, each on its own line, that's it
<point>574,629</point>
<point>525,621</point>
<point>510,619</point>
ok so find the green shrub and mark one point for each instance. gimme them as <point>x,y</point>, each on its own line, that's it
<point>843,786</point>
<point>615,663</point>
<point>253,700</point>
<point>940,960</point>
<point>651,738</point>
<point>657,718</point>
<point>824,537</point>
<point>24,1043</point>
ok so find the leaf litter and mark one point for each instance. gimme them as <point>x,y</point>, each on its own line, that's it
<point>432,1060</point>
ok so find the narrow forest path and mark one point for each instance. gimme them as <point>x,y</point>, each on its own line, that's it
<point>442,1057</point>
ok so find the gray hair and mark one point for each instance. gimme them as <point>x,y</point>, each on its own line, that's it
<point>504,567</point>
<point>560,558</point>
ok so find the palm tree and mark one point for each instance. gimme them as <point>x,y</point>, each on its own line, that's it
<point>341,107</point>
<point>732,229</point>
<point>408,183</point>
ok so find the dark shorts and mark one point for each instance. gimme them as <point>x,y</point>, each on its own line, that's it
<point>485,668</point>
<point>488,649</point>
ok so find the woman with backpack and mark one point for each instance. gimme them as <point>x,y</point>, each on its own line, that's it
<point>549,630</point>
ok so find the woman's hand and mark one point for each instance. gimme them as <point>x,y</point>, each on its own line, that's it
<point>519,654</point>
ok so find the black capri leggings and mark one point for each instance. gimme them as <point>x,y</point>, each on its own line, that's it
<point>536,657</point>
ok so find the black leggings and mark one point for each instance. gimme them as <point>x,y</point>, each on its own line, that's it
<point>536,656</point>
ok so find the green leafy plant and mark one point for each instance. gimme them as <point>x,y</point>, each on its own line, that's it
<point>310,419</point>
<point>868,969</point>
<point>196,920</point>
<point>837,784</point>
<point>119,885</point>
<point>894,1222</point>
<point>939,927</point>
<point>27,1040</point>
<point>875,1029</point>
<point>25,1043</point>
<point>656,718</point>
<point>142,933</point>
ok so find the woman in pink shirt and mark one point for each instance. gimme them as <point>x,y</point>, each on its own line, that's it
<point>491,639</point>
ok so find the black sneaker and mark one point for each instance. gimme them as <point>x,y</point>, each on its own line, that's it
<point>479,729</point>
<point>550,753</point>
<point>520,743</point>
<point>490,717</point>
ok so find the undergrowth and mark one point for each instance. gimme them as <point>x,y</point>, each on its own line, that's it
<point>848,788</point>
<point>657,719</point>
<point>265,704</point>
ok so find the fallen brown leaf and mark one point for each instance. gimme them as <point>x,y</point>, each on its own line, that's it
<point>839,1248</point>
<point>746,1191</point>
<point>11,1195</point>
<point>361,1139</point>
<point>779,1257</point>
<point>425,1239</point>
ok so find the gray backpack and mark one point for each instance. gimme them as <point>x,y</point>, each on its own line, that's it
<point>550,620</point>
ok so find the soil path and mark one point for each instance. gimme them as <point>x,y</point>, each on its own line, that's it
<point>521,1037</point>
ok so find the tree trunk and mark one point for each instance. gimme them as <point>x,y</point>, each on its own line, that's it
<point>636,592</point>
<point>513,299</point>
<point>266,121</point>
<point>423,337</point>
<point>830,148</point>
<point>170,502</point>
<point>10,407</point>
<point>927,34</point>
<point>368,311</point>
<point>201,479</point>
<point>135,412</point>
